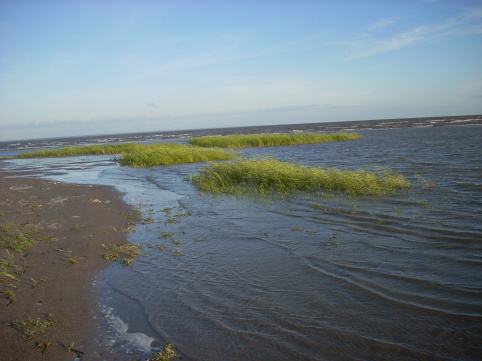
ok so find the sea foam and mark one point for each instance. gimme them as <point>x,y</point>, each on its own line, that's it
<point>121,339</point>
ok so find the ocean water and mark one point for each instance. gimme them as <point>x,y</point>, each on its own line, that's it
<point>302,277</point>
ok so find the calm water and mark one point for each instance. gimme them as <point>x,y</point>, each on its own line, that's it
<point>304,277</point>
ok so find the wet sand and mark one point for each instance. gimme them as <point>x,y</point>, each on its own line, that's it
<point>76,221</point>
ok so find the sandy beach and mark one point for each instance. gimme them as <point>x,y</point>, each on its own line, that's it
<point>53,279</point>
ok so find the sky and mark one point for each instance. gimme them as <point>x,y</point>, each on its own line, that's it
<point>81,67</point>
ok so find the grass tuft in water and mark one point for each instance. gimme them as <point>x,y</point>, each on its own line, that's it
<point>270,176</point>
<point>166,354</point>
<point>96,149</point>
<point>266,140</point>
<point>170,153</point>
<point>139,155</point>
<point>125,254</point>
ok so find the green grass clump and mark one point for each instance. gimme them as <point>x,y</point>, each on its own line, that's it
<point>170,153</point>
<point>138,155</point>
<point>266,140</point>
<point>271,176</point>
<point>96,149</point>
<point>125,254</point>
<point>20,238</point>
<point>32,327</point>
<point>7,269</point>
<point>17,237</point>
<point>166,354</point>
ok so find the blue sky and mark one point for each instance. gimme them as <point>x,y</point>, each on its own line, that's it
<point>83,67</point>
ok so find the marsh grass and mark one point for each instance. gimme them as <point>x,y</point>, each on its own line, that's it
<point>125,254</point>
<point>96,149</point>
<point>17,237</point>
<point>167,353</point>
<point>138,155</point>
<point>69,348</point>
<point>77,227</point>
<point>264,176</point>
<point>171,153</point>
<point>32,327</point>
<point>6,264</point>
<point>9,295</point>
<point>71,259</point>
<point>267,140</point>
<point>7,279</point>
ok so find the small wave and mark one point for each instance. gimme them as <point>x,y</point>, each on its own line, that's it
<point>128,343</point>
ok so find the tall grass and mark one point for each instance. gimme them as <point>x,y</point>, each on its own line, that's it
<point>139,155</point>
<point>81,150</point>
<point>268,176</point>
<point>171,153</point>
<point>266,140</point>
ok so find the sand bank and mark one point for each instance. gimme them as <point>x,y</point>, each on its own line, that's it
<point>55,276</point>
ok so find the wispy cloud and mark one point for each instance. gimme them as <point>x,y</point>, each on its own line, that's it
<point>466,22</point>
<point>381,24</point>
<point>232,51</point>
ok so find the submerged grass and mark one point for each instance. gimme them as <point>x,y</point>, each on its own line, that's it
<point>266,140</point>
<point>125,254</point>
<point>271,176</point>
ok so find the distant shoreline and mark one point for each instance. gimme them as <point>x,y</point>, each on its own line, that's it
<point>183,133</point>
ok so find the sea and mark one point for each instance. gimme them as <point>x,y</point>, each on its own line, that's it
<point>297,277</point>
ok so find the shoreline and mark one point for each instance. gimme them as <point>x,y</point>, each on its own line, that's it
<point>54,278</point>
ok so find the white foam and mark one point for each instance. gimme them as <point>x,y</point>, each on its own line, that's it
<point>129,342</point>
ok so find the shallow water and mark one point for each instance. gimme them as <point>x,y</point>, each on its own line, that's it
<point>303,277</point>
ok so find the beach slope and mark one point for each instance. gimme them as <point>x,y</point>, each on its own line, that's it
<point>47,301</point>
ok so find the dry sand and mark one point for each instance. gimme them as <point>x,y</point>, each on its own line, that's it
<point>77,221</point>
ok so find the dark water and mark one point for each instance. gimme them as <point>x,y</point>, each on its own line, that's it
<point>305,277</point>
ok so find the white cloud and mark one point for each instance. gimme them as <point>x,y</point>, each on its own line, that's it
<point>464,23</point>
